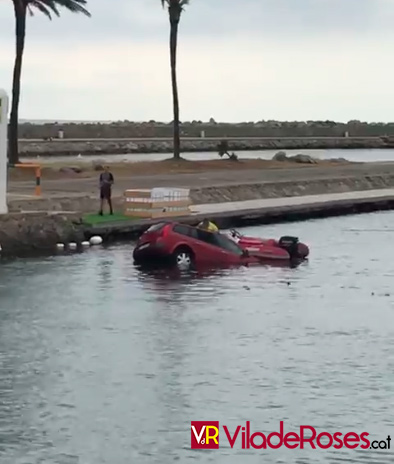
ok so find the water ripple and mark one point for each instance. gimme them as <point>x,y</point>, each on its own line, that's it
<point>102,363</point>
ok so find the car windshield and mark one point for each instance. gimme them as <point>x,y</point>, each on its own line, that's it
<point>228,244</point>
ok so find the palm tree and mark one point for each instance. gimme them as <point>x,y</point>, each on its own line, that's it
<point>175,9</point>
<point>21,8</point>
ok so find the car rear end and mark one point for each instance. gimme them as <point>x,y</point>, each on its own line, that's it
<point>153,245</point>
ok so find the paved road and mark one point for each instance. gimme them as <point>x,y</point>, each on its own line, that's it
<point>209,178</point>
<point>166,139</point>
<point>304,200</point>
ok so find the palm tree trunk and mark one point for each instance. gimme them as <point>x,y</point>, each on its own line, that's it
<point>20,31</point>
<point>175,100</point>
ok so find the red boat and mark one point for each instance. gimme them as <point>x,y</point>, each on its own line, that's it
<point>285,249</point>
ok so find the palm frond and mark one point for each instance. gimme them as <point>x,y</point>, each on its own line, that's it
<point>45,7</point>
<point>51,7</point>
<point>75,6</point>
<point>175,3</point>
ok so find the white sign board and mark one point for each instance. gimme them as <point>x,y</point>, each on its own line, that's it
<point>3,150</point>
<point>168,193</point>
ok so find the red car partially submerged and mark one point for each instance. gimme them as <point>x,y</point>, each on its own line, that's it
<point>186,246</point>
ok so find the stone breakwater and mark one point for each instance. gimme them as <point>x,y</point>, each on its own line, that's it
<point>25,233</point>
<point>127,146</point>
<point>130,129</point>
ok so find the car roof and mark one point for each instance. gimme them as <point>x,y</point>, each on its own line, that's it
<point>173,223</point>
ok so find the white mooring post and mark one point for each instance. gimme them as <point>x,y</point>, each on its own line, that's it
<point>3,150</point>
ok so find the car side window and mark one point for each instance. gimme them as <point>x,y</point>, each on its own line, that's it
<point>214,239</point>
<point>186,230</point>
<point>193,233</point>
<point>220,241</point>
<point>182,230</point>
<point>207,237</point>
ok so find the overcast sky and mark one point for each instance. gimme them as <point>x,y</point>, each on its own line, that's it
<point>238,61</point>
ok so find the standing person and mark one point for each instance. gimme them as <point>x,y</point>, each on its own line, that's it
<point>106,182</point>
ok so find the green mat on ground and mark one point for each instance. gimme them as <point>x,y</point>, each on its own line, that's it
<point>94,219</point>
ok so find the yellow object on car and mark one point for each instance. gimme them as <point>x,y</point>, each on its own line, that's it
<point>208,225</point>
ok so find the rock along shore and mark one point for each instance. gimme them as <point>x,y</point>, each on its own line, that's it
<point>73,147</point>
<point>25,233</point>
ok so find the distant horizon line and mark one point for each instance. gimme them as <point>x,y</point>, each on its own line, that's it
<point>111,121</point>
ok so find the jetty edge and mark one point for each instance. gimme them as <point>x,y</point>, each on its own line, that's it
<point>255,212</point>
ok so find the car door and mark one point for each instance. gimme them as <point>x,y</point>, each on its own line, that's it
<point>204,251</point>
<point>189,237</point>
<point>216,248</point>
<point>208,247</point>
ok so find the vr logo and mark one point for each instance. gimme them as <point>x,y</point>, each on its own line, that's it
<point>205,435</point>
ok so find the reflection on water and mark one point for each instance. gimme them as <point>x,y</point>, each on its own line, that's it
<point>104,363</point>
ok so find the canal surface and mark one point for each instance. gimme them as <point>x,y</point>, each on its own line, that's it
<point>103,364</point>
<point>362,155</point>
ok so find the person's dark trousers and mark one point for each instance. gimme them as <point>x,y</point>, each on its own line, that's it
<point>105,195</point>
